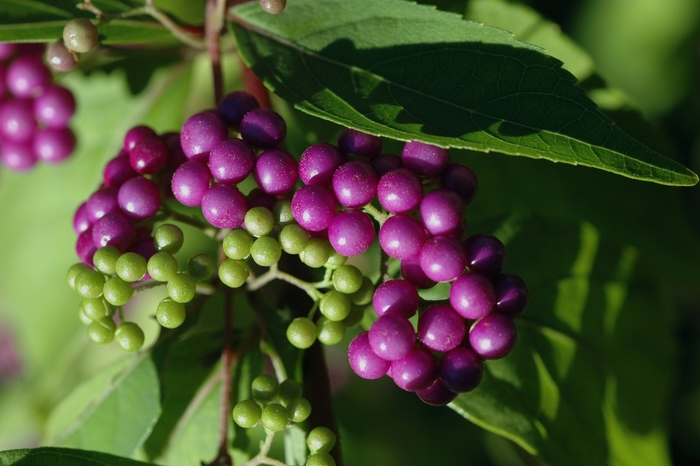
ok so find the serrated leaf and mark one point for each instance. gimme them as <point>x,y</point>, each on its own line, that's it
<point>113,412</point>
<point>55,456</point>
<point>571,390</point>
<point>407,71</point>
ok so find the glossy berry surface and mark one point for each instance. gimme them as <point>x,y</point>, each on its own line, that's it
<point>231,161</point>
<point>129,336</point>
<point>275,171</point>
<point>436,394</point>
<point>356,142</point>
<point>442,259</point>
<point>461,370</point>
<point>200,134</point>
<point>351,232</point>
<point>313,207</point>
<point>440,328</point>
<point>441,212</point>
<point>234,106</point>
<point>472,295</point>
<point>364,361</point>
<point>139,198</point>
<point>493,336</point>
<point>415,371</point>
<point>402,237</point>
<point>263,128</point>
<point>190,182</point>
<point>424,159</point>
<point>399,191</point>
<point>274,417</point>
<point>301,332</point>
<point>318,163</point>
<point>462,180</point>
<point>512,294</point>
<point>224,206</point>
<point>396,297</point>
<point>354,184</point>
<point>247,413</point>
<point>80,35</point>
<point>392,337</point>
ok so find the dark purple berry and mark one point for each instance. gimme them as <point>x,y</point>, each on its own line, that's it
<point>85,247</point>
<point>512,294</point>
<point>461,370</point>
<point>436,394</point>
<point>412,272</point>
<point>440,328</point>
<point>356,142</point>
<point>114,229</point>
<point>485,254</point>
<point>223,206</point>
<point>472,295</point>
<point>149,155</point>
<point>117,171</point>
<point>136,134</point>
<point>313,207</point>
<point>396,297</point>
<point>425,159</point>
<point>263,128</point>
<point>102,202</point>
<point>493,336</point>
<point>462,180</point>
<point>7,49</point>
<point>415,371</point>
<point>231,161</point>
<point>234,106</point>
<point>276,171</point>
<point>385,163</point>
<point>139,198</point>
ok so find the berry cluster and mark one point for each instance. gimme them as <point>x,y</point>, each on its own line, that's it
<point>34,112</point>
<point>274,404</point>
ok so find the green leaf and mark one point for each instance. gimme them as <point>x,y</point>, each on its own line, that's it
<point>48,455</point>
<point>113,412</point>
<point>407,71</point>
<point>115,32</point>
<point>571,390</point>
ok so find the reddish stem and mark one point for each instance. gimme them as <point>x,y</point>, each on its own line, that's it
<point>255,87</point>
<point>214,22</point>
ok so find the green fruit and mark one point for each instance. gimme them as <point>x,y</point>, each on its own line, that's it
<point>96,308</point>
<point>105,259</point>
<point>335,305</point>
<point>170,314</point>
<point>131,267</point>
<point>264,388</point>
<point>355,317</point>
<point>162,266</point>
<point>89,283</point>
<point>117,292</point>
<point>101,331</point>
<point>233,273</point>
<point>80,35</point>
<point>73,271</point>
<point>259,221</point>
<point>168,238</point>
<point>320,440</point>
<point>299,410</point>
<point>237,244</point>
<point>282,212</point>
<point>348,279</point>
<point>182,288</point>
<point>330,332</point>
<point>316,252</point>
<point>129,336</point>
<point>266,251</point>
<point>320,459</point>
<point>201,267</point>
<point>293,239</point>
<point>274,417</point>
<point>301,332</point>
<point>335,260</point>
<point>289,390</point>
<point>365,294</point>
<point>247,413</point>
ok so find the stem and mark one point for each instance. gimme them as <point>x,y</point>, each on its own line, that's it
<point>255,87</point>
<point>213,26</point>
<point>274,272</point>
<point>261,457</point>
<point>226,359</point>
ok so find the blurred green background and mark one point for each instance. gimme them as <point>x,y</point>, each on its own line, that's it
<point>647,51</point>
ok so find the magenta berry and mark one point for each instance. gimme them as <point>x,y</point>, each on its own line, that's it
<point>392,337</point>
<point>399,191</point>
<point>440,328</point>
<point>231,161</point>
<point>461,370</point>
<point>318,163</point>
<point>356,142</point>
<point>396,297</point>
<point>364,361</point>
<point>493,336</point>
<point>201,133</point>
<point>415,371</point>
<point>472,295</point>
<point>442,258</point>
<point>190,182</point>
<point>425,159</point>
<point>275,171</point>
<point>401,237</point>
<point>351,232</point>
<point>224,206</point>
<point>263,128</point>
<point>354,184</point>
<point>313,207</point>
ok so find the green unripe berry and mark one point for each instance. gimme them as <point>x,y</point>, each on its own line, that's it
<point>259,221</point>
<point>316,252</point>
<point>347,279</point>
<point>355,317</point>
<point>293,239</point>
<point>201,267</point>
<point>73,271</point>
<point>162,266</point>
<point>96,308</point>
<point>299,409</point>
<point>233,273</point>
<point>289,390</point>
<point>182,288</point>
<point>264,388</point>
<point>237,244</point>
<point>274,417</point>
<point>80,35</point>
<point>117,292</point>
<point>330,332</point>
<point>129,336</point>
<point>335,260</point>
<point>168,238</point>
<point>83,318</point>
<point>282,212</point>
<point>335,305</point>
<point>105,259</point>
<point>320,459</point>
<point>301,332</point>
<point>247,413</point>
<point>364,295</point>
<point>170,314</point>
<point>89,283</point>
<point>131,267</point>
<point>266,251</point>
<point>320,440</point>
<point>101,331</point>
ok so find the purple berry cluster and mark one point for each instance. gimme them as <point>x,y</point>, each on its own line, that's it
<point>34,112</point>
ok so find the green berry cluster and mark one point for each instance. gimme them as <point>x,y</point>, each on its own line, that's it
<point>320,441</point>
<point>274,404</point>
<point>341,307</point>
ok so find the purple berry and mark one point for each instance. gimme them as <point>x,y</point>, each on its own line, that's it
<point>234,106</point>
<point>313,207</point>
<point>351,232</point>
<point>259,198</point>
<point>440,328</point>
<point>189,183</point>
<point>385,163</point>
<point>396,297</point>
<point>102,202</point>
<point>461,370</point>
<point>135,134</point>
<point>441,212</point>
<point>81,222</point>
<point>263,128</point>
<point>176,156</point>
<point>412,272</point>
<point>27,76</point>
<point>201,133</point>
<point>7,49</point>
<point>17,156</point>
<point>399,191</point>
<point>363,360</point>
<point>415,371</point>
<point>224,206</point>
<point>318,163</point>
<point>512,294</point>
<point>493,336</point>
<point>85,247</point>
<point>117,171</point>
<point>17,122</point>
<point>139,198</point>
<point>442,258</point>
<point>436,394</point>
<point>231,161</point>
<point>472,295</point>
<point>145,248</point>
<point>485,254</point>
<point>54,107</point>
<point>425,159</point>
<point>392,337</point>
<point>354,184</point>
<point>462,180</point>
<point>114,229</point>
<point>401,237</point>
<point>59,57</point>
<point>276,171</point>
<point>356,142</point>
<point>53,145</point>
<point>149,155</point>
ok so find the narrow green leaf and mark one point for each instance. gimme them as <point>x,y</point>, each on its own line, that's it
<point>407,71</point>
<point>12,11</point>
<point>57,456</point>
<point>113,412</point>
<point>113,32</point>
<point>571,389</point>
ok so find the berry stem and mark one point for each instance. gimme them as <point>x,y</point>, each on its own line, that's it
<point>213,27</point>
<point>275,273</point>
<point>226,381</point>
<point>261,457</point>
